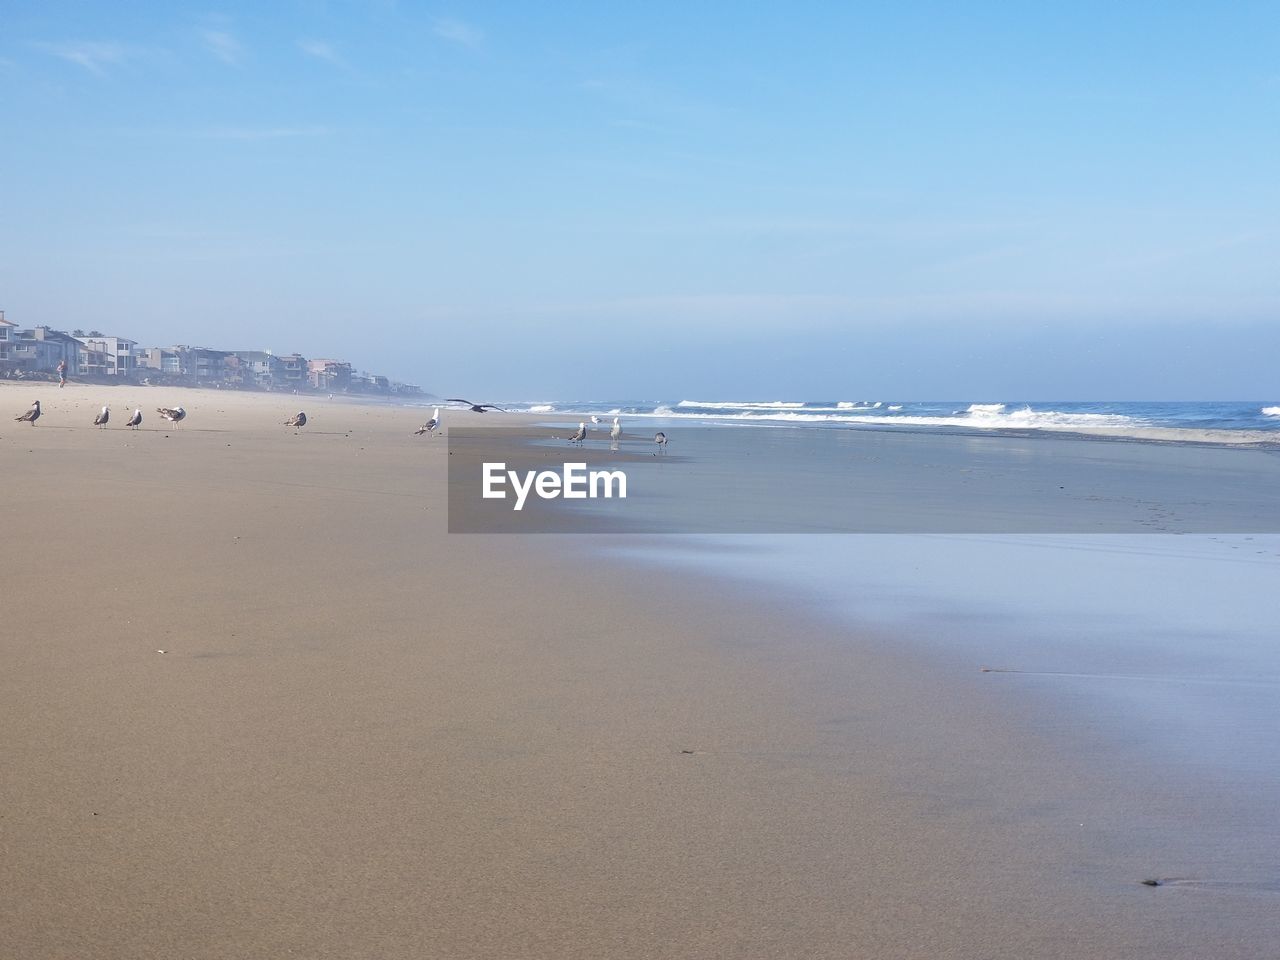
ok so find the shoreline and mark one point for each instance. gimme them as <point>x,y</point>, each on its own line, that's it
<point>368,736</point>
<point>1174,436</point>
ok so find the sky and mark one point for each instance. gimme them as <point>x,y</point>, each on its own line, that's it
<point>661,200</point>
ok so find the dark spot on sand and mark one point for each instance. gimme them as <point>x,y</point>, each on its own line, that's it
<point>686,751</point>
<point>1151,883</point>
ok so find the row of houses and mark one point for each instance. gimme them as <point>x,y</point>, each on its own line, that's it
<point>95,356</point>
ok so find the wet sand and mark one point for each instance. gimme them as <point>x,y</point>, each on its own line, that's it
<point>367,737</point>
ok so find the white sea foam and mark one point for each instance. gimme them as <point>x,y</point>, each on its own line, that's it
<point>895,406</point>
<point>741,405</point>
<point>1271,411</point>
<point>541,408</point>
<point>978,416</point>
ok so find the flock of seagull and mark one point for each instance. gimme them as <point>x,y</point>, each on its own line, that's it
<point>615,434</point>
<point>579,436</point>
<point>172,414</point>
<point>299,420</point>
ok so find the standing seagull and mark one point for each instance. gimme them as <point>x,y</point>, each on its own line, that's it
<point>32,415</point>
<point>615,434</point>
<point>661,441</point>
<point>101,419</point>
<point>475,407</point>
<point>431,426</point>
<point>580,434</point>
<point>595,419</point>
<point>172,414</point>
<point>299,421</point>
<point>136,420</point>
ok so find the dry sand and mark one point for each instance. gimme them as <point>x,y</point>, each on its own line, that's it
<point>369,738</point>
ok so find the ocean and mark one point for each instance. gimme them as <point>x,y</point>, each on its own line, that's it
<point>968,415</point>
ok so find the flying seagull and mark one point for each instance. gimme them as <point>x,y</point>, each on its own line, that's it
<point>661,440</point>
<point>475,407</point>
<point>299,421</point>
<point>431,426</point>
<point>172,414</point>
<point>616,433</point>
<point>101,419</point>
<point>136,419</point>
<point>580,434</point>
<point>32,415</point>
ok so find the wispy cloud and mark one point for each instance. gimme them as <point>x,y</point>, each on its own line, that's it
<point>96,56</point>
<point>456,31</point>
<point>261,133</point>
<point>321,50</point>
<point>224,46</point>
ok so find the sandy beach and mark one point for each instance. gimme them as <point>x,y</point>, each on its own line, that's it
<point>257,702</point>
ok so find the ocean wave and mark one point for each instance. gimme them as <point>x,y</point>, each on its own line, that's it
<point>1271,411</point>
<point>741,404</point>
<point>977,416</point>
<point>541,408</point>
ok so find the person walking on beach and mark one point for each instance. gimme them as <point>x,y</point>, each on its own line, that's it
<point>62,373</point>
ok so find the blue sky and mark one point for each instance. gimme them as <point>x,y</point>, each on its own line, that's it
<point>670,199</point>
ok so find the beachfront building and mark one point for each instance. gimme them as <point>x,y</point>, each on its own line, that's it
<point>196,365</point>
<point>293,370</point>
<point>103,356</point>
<point>208,366</point>
<point>258,368</point>
<point>40,350</point>
<point>329,374</point>
<point>370,383</point>
<point>6,327</point>
<point>167,361</point>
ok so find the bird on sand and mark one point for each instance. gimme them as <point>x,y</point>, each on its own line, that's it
<point>172,414</point>
<point>595,419</point>
<point>136,420</point>
<point>475,407</point>
<point>431,426</point>
<point>101,419</point>
<point>661,440</point>
<point>615,434</point>
<point>32,415</point>
<point>580,434</point>
<point>300,420</point>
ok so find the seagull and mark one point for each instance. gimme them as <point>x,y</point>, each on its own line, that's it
<point>595,419</point>
<point>580,434</point>
<point>661,441</point>
<point>431,426</point>
<point>136,419</point>
<point>616,433</point>
<point>172,414</point>
<point>475,407</point>
<point>101,419</point>
<point>299,421</point>
<point>32,415</point>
